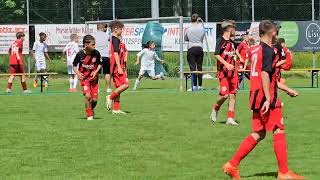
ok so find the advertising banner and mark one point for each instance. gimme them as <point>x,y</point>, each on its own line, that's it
<point>8,36</point>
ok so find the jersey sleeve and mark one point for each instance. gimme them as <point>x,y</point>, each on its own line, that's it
<point>141,52</point>
<point>34,46</point>
<point>116,44</point>
<point>218,47</point>
<point>267,58</point>
<point>76,60</point>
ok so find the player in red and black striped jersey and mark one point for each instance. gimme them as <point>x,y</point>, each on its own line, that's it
<point>118,56</point>
<point>227,73</point>
<point>86,65</point>
<point>265,104</point>
<point>16,62</point>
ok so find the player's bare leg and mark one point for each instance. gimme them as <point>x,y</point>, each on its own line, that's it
<point>216,107</point>
<point>87,102</point>
<point>108,83</point>
<point>280,150</point>
<point>71,82</point>
<point>232,103</point>
<point>9,87</point>
<point>246,146</point>
<point>136,84</point>
<point>114,94</point>
<point>75,82</point>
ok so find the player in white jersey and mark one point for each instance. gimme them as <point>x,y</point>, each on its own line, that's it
<point>148,56</point>
<point>40,53</point>
<point>71,50</point>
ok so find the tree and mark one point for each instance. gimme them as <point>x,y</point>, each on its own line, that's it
<point>11,11</point>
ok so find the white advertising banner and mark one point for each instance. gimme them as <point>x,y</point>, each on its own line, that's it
<point>59,35</point>
<point>8,36</point>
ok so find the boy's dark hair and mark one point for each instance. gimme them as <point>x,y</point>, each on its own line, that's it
<point>228,23</point>
<point>115,24</point>
<point>265,27</point>
<point>148,44</point>
<point>20,35</point>
<point>251,41</point>
<point>281,40</point>
<point>194,17</point>
<point>42,34</point>
<point>87,39</point>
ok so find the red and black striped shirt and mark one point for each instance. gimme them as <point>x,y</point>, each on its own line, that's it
<point>226,49</point>
<point>88,63</point>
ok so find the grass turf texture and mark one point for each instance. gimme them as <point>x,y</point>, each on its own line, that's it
<point>166,135</point>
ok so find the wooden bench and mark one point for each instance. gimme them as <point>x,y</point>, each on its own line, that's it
<point>42,75</point>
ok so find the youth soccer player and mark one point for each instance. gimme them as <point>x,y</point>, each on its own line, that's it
<point>71,50</point>
<point>148,56</point>
<point>227,73</point>
<point>40,53</point>
<point>265,105</point>
<point>285,64</point>
<point>16,62</point>
<point>117,67</point>
<point>86,65</point>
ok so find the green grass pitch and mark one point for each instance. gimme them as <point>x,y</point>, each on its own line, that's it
<point>166,135</point>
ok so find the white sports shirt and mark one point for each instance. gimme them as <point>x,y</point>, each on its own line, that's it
<point>71,49</point>
<point>102,43</point>
<point>148,57</point>
<point>40,49</point>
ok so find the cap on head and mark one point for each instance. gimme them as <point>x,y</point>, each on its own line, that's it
<point>228,23</point>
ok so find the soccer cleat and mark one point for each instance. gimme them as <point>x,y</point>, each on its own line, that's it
<point>8,91</point>
<point>162,76</point>
<point>200,88</point>
<point>232,171</point>
<point>109,90</point>
<point>134,88</point>
<point>90,118</point>
<point>289,176</point>
<point>108,103</point>
<point>35,83</point>
<point>232,122</point>
<point>118,112</point>
<point>214,115</point>
<point>27,91</point>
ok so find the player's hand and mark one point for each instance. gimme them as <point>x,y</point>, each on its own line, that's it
<point>265,107</point>
<point>64,61</point>
<point>241,69</point>
<point>241,59</point>
<point>120,70</point>
<point>136,63</point>
<point>292,93</point>
<point>93,74</point>
<point>162,61</point>
<point>230,67</point>
<point>80,76</point>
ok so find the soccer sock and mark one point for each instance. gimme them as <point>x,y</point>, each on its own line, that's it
<point>113,95</point>
<point>246,146</point>
<point>89,112</point>
<point>231,114</point>
<point>158,76</point>
<point>136,83</point>
<point>94,104</point>
<point>71,83</point>
<point>9,85</point>
<point>216,107</point>
<point>116,105</point>
<point>280,149</point>
<point>75,82</point>
<point>24,85</point>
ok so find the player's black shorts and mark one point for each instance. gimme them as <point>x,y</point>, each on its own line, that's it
<point>105,65</point>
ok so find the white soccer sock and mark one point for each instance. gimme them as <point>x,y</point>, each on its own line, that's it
<point>71,83</point>
<point>136,83</point>
<point>75,82</point>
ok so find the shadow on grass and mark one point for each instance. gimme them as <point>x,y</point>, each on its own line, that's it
<point>267,174</point>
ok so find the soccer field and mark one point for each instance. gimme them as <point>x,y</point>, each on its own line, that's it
<point>166,135</point>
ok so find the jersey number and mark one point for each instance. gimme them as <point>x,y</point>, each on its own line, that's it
<point>254,59</point>
<point>69,52</point>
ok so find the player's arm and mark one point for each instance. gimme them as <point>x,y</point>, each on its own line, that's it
<point>75,63</point>
<point>139,56</point>
<point>186,37</point>
<point>156,57</point>
<point>239,55</point>
<point>33,51</point>
<point>289,91</point>
<point>64,54</point>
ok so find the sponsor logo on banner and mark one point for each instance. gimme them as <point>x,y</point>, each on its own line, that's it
<point>8,36</point>
<point>313,33</point>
